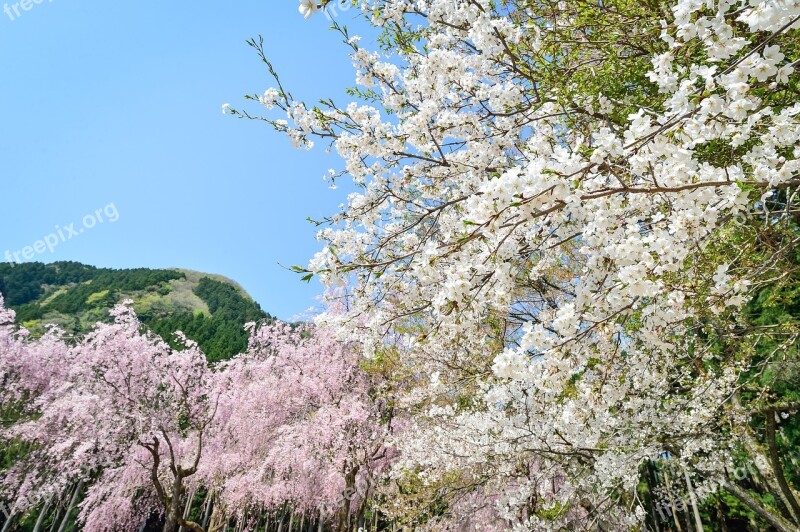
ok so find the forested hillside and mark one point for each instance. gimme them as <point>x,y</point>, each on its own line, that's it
<point>210,310</point>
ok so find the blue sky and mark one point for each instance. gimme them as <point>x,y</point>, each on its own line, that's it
<point>119,102</point>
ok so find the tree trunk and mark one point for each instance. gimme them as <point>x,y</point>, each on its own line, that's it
<point>651,507</point>
<point>171,522</point>
<point>280,522</point>
<point>362,509</point>
<point>775,462</point>
<point>72,502</point>
<point>217,518</point>
<point>9,519</point>
<point>723,525</point>
<point>767,474</point>
<point>672,501</point>
<point>698,522</point>
<point>207,511</point>
<point>349,490</point>
<point>188,508</point>
<point>775,520</point>
<point>56,517</point>
<point>174,508</point>
<point>45,507</point>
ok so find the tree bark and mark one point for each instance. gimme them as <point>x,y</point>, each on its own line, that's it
<point>754,449</point>
<point>173,505</point>
<point>349,491</point>
<point>775,462</point>
<point>171,523</point>
<point>773,519</point>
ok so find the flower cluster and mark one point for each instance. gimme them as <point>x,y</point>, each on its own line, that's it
<point>546,190</point>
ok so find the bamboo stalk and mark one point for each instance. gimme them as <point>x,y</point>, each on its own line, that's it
<point>189,501</point>
<point>42,515</point>
<point>672,501</point>
<point>207,511</point>
<point>698,522</point>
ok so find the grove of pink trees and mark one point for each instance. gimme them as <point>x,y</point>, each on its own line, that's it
<point>295,423</point>
<point>280,433</point>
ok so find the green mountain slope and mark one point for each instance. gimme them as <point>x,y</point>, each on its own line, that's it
<point>209,309</point>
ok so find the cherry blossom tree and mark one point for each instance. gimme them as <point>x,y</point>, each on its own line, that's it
<point>121,411</point>
<point>563,208</point>
<point>563,212</point>
<point>295,426</point>
<point>29,372</point>
<point>298,426</point>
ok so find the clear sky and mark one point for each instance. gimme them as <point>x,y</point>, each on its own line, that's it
<point>120,102</point>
